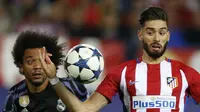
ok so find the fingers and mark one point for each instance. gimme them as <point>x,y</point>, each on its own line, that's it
<point>44,52</point>
<point>42,58</point>
<point>45,57</point>
<point>49,54</point>
<point>47,64</point>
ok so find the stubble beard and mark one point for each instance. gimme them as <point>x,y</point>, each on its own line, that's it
<point>154,55</point>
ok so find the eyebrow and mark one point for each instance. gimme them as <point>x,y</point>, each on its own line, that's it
<point>28,57</point>
<point>162,28</point>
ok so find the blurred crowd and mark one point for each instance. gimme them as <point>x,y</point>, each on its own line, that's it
<point>103,19</point>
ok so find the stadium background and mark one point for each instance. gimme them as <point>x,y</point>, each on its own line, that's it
<point>110,25</point>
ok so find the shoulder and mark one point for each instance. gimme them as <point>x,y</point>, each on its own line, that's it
<point>130,64</point>
<point>114,74</point>
<point>180,65</point>
<point>75,87</point>
<point>18,88</point>
<point>183,67</point>
<point>127,63</point>
<point>13,93</point>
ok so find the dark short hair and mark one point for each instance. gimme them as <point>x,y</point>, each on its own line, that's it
<point>31,39</point>
<point>153,13</point>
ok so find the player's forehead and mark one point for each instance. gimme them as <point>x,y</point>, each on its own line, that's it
<point>155,25</point>
<point>32,52</point>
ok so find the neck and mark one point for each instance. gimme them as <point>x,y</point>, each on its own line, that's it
<point>34,89</point>
<point>147,59</point>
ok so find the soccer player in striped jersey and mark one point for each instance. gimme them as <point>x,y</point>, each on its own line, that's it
<point>150,83</point>
<point>35,93</point>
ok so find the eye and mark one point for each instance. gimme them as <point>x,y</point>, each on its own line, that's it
<point>163,33</point>
<point>29,62</point>
<point>149,32</point>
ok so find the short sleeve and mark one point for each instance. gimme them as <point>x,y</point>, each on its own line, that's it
<point>193,78</point>
<point>110,85</point>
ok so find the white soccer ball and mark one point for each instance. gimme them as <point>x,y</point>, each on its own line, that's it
<point>84,63</point>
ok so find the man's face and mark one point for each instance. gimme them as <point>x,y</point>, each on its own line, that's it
<point>32,68</point>
<point>154,36</point>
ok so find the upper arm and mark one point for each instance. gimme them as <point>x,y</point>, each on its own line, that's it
<point>105,91</point>
<point>193,78</point>
<point>111,83</point>
<point>9,105</point>
<point>194,87</point>
<point>95,102</point>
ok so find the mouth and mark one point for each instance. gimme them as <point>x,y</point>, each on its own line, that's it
<point>37,75</point>
<point>156,47</point>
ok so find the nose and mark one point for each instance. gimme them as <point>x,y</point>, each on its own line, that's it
<point>157,37</point>
<point>37,64</point>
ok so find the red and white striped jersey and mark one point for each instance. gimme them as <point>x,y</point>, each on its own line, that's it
<point>146,87</point>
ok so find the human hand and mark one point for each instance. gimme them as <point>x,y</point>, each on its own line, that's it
<point>47,65</point>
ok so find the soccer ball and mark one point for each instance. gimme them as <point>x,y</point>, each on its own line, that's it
<point>84,63</point>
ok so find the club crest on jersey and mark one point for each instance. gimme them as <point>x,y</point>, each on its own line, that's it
<point>24,100</point>
<point>172,82</point>
<point>60,106</point>
<point>24,110</point>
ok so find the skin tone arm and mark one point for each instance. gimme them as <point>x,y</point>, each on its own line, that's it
<point>92,104</point>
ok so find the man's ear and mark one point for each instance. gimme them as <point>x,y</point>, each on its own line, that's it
<point>168,35</point>
<point>21,70</point>
<point>140,34</point>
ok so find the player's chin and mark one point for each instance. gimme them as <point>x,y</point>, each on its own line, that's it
<point>37,82</point>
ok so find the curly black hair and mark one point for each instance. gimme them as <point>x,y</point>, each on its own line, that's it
<point>31,39</point>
